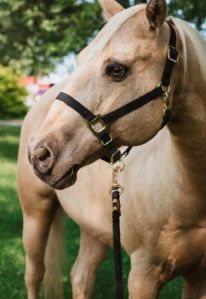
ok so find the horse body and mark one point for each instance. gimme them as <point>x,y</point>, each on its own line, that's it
<point>163,223</point>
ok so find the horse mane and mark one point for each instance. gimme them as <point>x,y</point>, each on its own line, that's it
<point>197,41</point>
<point>114,24</point>
<point>119,19</point>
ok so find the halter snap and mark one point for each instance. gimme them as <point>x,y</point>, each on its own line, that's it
<point>166,98</point>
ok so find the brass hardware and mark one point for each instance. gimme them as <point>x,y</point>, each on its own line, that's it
<point>169,54</point>
<point>92,125</point>
<point>167,102</point>
<point>166,99</point>
<point>112,158</point>
<point>108,142</point>
<point>115,173</point>
<point>165,89</point>
<point>119,167</point>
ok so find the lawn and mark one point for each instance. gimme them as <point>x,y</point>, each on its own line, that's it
<point>11,251</point>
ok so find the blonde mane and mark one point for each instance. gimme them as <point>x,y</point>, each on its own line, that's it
<point>199,44</point>
<point>109,30</point>
<point>118,20</point>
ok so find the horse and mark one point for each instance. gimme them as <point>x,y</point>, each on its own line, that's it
<point>163,222</point>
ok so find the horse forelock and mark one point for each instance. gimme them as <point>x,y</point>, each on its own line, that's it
<point>197,41</point>
<point>119,19</point>
<point>185,30</point>
<point>108,31</point>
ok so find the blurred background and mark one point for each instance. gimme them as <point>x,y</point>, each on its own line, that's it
<point>38,44</point>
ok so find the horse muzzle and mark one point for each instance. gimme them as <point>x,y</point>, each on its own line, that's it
<point>46,166</point>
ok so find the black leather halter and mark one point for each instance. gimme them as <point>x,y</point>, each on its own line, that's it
<point>96,121</point>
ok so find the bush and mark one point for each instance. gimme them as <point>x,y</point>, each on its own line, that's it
<point>12,96</point>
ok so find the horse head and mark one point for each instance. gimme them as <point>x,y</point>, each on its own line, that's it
<point>125,61</point>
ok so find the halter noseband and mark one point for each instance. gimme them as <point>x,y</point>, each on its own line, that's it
<point>96,121</point>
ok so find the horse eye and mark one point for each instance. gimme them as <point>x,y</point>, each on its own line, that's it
<point>117,71</point>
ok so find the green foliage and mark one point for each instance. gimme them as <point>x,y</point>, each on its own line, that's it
<point>12,96</point>
<point>191,10</point>
<point>33,35</point>
<point>36,34</point>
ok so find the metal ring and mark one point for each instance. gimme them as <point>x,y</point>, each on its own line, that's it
<point>165,89</point>
<point>121,164</point>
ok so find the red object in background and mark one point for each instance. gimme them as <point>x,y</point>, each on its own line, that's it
<point>42,88</point>
<point>35,88</point>
<point>28,80</point>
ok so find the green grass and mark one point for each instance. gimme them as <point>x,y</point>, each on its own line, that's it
<point>11,251</point>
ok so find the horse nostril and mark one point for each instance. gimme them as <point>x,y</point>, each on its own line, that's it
<point>43,154</point>
<point>43,160</point>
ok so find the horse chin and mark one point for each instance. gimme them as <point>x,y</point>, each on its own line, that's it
<point>65,182</point>
<point>67,179</point>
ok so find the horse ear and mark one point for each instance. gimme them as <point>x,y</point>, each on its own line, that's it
<point>156,12</point>
<point>110,8</point>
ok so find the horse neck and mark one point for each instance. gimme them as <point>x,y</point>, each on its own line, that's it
<point>188,124</point>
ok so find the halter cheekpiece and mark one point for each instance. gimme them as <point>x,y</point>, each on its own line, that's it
<point>95,121</point>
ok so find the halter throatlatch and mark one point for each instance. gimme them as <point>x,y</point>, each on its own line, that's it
<point>99,126</point>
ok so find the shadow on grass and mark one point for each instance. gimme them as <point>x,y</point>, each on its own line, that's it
<point>9,140</point>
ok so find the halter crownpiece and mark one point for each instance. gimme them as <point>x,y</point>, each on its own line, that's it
<point>95,121</point>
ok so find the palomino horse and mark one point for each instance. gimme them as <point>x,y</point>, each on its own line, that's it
<point>163,221</point>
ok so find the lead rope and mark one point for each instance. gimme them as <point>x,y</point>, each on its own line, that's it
<point>116,191</point>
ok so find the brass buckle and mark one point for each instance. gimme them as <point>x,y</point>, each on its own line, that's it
<point>169,54</point>
<point>108,142</point>
<point>167,103</point>
<point>112,158</point>
<point>165,89</point>
<point>92,125</point>
<point>120,161</point>
<point>166,99</point>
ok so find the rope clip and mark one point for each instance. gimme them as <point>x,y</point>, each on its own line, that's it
<point>116,170</point>
<point>166,98</point>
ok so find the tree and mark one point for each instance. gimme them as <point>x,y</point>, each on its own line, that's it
<point>33,34</point>
<point>12,96</point>
<point>36,34</point>
<point>190,10</point>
